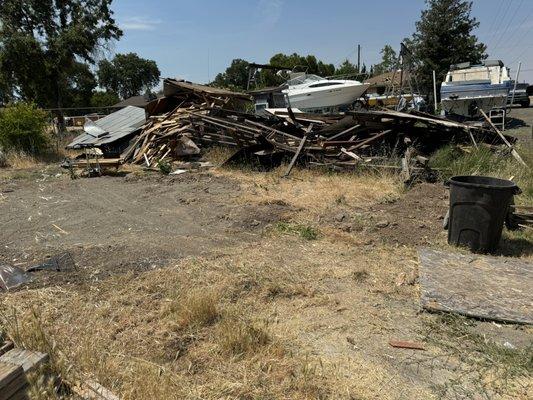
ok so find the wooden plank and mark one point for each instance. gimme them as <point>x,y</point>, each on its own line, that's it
<point>495,288</point>
<point>404,344</point>
<point>20,395</point>
<point>8,372</point>
<point>513,151</point>
<point>371,139</point>
<point>6,347</point>
<point>19,385</point>
<point>29,360</point>
<point>92,390</point>
<point>296,155</point>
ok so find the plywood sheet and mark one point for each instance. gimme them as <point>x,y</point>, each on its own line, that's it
<point>497,288</point>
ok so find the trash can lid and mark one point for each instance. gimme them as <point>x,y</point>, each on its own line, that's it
<point>485,182</point>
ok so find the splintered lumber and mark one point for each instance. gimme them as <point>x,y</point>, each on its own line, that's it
<point>28,360</point>
<point>13,382</point>
<point>296,155</point>
<point>92,390</point>
<point>477,286</point>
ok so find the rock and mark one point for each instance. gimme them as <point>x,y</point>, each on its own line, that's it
<point>340,217</point>
<point>382,224</point>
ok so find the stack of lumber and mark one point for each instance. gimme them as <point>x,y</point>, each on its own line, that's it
<point>520,217</point>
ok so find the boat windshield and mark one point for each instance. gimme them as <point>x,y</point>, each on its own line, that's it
<point>304,79</point>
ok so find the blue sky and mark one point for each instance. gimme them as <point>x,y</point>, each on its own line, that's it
<point>197,39</point>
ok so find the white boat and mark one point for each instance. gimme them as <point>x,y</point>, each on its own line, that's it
<point>468,88</point>
<point>311,92</point>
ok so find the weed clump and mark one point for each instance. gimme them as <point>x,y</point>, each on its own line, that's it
<point>304,231</point>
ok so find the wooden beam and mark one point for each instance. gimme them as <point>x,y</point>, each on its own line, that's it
<point>513,151</point>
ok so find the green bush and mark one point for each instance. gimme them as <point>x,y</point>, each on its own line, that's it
<point>23,127</point>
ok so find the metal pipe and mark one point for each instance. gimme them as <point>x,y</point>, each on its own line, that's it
<point>516,82</point>
<point>435,90</point>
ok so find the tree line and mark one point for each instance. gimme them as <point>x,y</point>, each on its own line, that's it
<point>444,36</point>
<point>51,54</point>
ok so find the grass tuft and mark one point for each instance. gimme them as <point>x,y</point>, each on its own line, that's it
<point>304,231</point>
<point>198,309</point>
<point>238,338</point>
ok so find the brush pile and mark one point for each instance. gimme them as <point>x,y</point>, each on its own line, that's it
<point>200,116</point>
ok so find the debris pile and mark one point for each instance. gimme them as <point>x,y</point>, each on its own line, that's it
<point>191,117</point>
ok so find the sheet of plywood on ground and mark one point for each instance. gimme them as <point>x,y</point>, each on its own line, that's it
<point>13,382</point>
<point>485,287</point>
<point>29,360</point>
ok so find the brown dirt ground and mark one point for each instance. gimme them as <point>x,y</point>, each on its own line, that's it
<point>141,242</point>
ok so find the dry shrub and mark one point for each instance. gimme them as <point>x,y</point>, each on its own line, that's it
<point>198,309</point>
<point>239,338</point>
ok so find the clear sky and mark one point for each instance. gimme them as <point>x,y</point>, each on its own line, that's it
<point>196,39</point>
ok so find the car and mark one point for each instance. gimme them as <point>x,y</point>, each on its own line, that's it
<point>521,95</point>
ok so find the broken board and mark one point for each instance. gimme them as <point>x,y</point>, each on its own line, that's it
<point>495,288</point>
<point>13,382</point>
<point>28,360</point>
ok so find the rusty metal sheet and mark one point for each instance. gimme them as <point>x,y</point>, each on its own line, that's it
<point>496,288</point>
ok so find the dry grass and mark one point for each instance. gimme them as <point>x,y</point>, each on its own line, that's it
<point>314,193</point>
<point>238,326</point>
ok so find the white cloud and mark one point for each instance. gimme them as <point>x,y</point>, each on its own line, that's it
<point>269,11</point>
<point>139,24</point>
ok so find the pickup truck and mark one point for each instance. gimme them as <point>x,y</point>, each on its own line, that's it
<point>521,96</point>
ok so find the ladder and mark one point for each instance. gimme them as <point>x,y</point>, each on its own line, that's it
<point>497,117</point>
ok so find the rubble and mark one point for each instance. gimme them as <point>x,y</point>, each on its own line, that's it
<point>192,117</point>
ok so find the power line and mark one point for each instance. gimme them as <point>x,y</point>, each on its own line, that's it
<point>510,49</point>
<point>500,21</point>
<point>496,17</point>
<point>509,24</point>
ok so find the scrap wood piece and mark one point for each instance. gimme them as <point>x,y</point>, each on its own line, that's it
<point>6,347</point>
<point>13,382</point>
<point>29,360</point>
<point>507,143</point>
<point>371,139</point>
<point>405,344</point>
<point>494,288</point>
<point>296,155</point>
<point>92,390</point>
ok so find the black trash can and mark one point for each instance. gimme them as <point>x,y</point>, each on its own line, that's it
<point>478,207</point>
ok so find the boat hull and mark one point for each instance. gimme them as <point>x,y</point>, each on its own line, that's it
<point>330,97</point>
<point>465,100</point>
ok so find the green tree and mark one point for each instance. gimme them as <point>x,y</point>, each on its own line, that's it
<point>81,83</point>
<point>128,75</point>
<point>347,68</point>
<point>42,43</point>
<point>295,62</point>
<point>235,77</point>
<point>389,59</point>
<point>104,99</point>
<point>23,127</point>
<point>444,37</point>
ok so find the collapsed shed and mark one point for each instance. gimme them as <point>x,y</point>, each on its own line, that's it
<point>112,133</point>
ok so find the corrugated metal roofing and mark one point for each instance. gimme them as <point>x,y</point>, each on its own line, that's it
<point>111,128</point>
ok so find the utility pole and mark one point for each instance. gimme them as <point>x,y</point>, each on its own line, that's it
<point>359,58</point>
